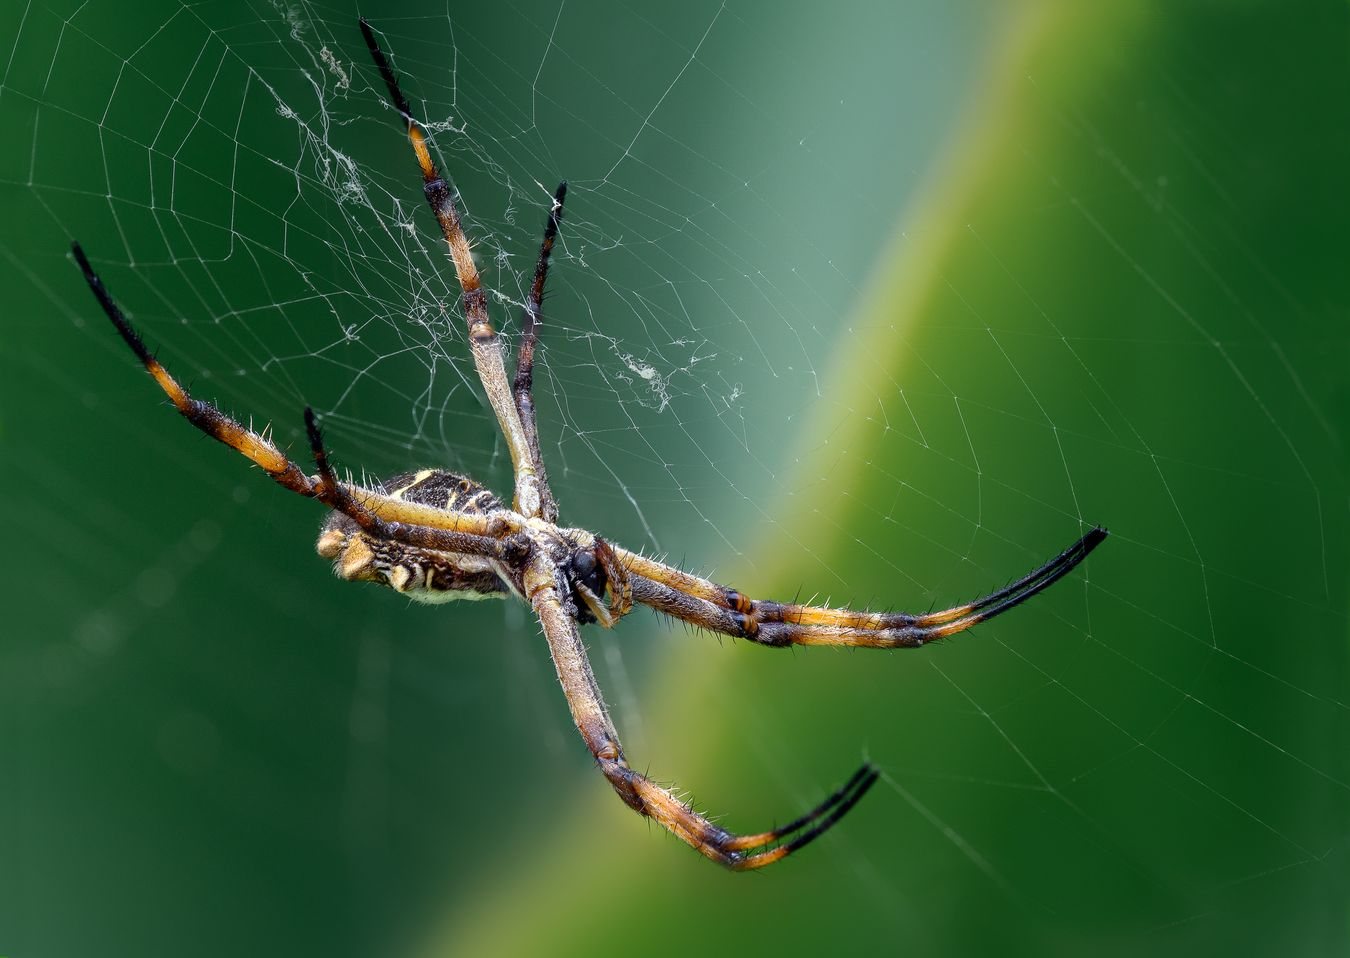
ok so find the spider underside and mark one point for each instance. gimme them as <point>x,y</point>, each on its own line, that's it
<point>437,536</point>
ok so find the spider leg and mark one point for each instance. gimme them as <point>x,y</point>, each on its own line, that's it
<point>737,852</point>
<point>484,342</point>
<point>720,609</point>
<point>203,415</point>
<point>400,520</point>
<point>342,498</point>
<point>522,385</point>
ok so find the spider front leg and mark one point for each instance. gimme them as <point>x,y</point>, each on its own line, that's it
<point>737,852</point>
<point>721,609</point>
<point>522,385</point>
<point>484,342</point>
<point>407,521</point>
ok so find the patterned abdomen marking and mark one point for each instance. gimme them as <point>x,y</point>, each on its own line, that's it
<point>441,490</point>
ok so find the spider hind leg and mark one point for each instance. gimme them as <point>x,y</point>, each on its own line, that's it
<point>775,624</point>
<point>737,852</point>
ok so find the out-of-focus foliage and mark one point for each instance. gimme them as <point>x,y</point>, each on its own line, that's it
<point>1117,296</point>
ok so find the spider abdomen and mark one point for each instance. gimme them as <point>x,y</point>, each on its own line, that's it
<point>441,489</point>
<point>426,575</point>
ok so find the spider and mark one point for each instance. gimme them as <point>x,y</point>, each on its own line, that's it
<point>437,536</point>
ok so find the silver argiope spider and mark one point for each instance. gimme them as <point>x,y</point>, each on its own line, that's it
<point>436,536</point>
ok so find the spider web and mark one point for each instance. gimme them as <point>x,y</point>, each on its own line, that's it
<point>886,308</point>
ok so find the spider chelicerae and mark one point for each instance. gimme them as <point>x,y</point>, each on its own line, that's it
<point>436,536</point>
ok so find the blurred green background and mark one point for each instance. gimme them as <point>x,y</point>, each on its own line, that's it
<point>884,306</point>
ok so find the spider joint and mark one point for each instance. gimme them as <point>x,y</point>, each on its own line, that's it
<point>434,190</point>
<point>623,779</point>
<point>475,305</point>
<point>738,601</point>
<point>517,548</point>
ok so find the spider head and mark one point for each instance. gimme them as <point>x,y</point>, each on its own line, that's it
<point>594,574</point>
<point>424,575</point>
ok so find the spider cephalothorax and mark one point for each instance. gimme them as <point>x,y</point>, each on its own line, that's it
<point>437,536</point>
<point>584,561</point>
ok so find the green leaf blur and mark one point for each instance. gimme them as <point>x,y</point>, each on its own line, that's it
<point>1109,287</point>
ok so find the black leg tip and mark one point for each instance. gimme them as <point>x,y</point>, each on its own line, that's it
<point>1094,538</point>
<point>373,45</point>
<point>386,71</point>
<point>317,448</point>
<point>110,308</point>
<point>80,258</point>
